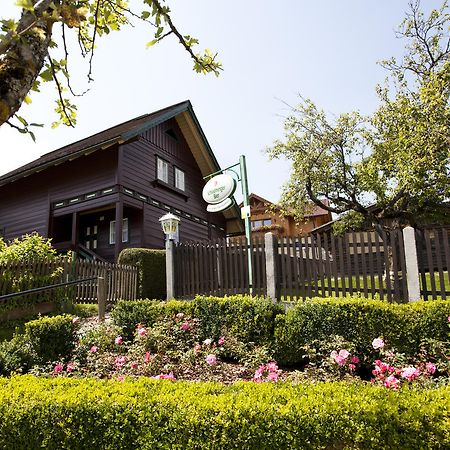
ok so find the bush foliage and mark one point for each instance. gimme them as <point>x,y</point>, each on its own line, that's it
<point>152,270</point>
<point>250,319</point>
<point>148,414</point>
<point>402,326</point>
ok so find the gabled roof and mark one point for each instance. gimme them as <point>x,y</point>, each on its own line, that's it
<point>129,130</point>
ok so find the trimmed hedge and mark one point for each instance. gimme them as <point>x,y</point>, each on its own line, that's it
<point>68,413</point>
<point>402,326</point>
<point>152,270</point>
<point>250,319</point>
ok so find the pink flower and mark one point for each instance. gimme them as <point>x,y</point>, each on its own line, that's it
<point>134,365</point>
<point>120,361</point>
<point>207,342</point>
<point>70,367</point>
<point>391,382</point>
<point>377,343</point>
<point>179,315</point>
<point>58,368</point>
<point>272,367</point>
<point>147,357</point>
<point>410,373</point>
<point>75,320</point>
<point>118,340</point>
<point>355,360</point>
<point>120,378</point>
<point>272,376</point>
<point>94,349</point>
<point>211,359</point>
<point>142,331</point>
<point>164,376</point>
<point>351,366</point>
<point>185,326</point>
<point>221,340</point>
<point>259,372</point>
<point>431,368</point>
<point>344,354</point>
<point>448,319</point>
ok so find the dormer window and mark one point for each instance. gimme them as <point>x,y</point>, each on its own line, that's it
<point>162,169</point>
<point>179,179</point>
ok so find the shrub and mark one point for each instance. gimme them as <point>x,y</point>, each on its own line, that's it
<point>51,338</point>
<point>359,321</point>
<point>16,355</point>
<point>147,414</point>
<point>250,319</point>
<point>152,270</point>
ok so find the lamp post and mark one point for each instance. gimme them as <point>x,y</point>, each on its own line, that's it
<point>169,224</point>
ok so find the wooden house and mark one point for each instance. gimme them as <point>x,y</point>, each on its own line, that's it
<point>266,216</point>
<point>107,192</point>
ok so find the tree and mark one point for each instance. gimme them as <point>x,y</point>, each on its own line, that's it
<point>391,168</point>
<point>27,47</point>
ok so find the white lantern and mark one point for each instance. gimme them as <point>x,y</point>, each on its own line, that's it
<point>169,224</point>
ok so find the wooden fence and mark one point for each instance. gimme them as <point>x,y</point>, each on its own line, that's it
<point>22,276</point>
<point>357,263</point>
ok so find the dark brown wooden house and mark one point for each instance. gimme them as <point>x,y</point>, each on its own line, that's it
<point>107,192</point>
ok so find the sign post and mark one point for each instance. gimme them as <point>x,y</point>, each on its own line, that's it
<point>217,193</point>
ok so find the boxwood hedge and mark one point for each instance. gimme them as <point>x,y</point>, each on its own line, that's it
<point>64,413</point>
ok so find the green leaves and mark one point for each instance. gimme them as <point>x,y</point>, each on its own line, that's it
<point>25,4</point>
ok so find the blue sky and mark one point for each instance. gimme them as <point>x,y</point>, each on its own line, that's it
<point>325,50</point>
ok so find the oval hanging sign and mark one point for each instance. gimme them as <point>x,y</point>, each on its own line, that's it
<point>219,188</point>
<point>227,203</point>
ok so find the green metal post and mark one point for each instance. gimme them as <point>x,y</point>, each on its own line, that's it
<point>248,230</point>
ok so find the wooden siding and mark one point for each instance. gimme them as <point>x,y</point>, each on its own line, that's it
<point>25,204</point>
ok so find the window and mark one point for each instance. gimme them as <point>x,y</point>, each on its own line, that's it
<point>112,231</point>
<point>162,170</point>
<point>261,223</point>
<point>179,179</point>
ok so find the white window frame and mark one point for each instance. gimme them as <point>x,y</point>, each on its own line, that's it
<point>180,179</point>
<point>162,169</point>
<point>112,231</point>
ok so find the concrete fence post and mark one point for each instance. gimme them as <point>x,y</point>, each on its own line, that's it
<point>412,266</point>
<point>102,293</point>
<point>271,269</point>
<point>170,270</point>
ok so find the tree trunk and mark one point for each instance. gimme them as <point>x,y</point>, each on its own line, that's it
<point>22,58</point>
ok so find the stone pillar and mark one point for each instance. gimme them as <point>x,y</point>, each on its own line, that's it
<point>170,270</point>
<point>271,269</point>
<point>412,266</point>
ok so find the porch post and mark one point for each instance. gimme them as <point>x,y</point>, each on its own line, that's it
<point>118,230</point>
<point>74,238</point>
<point>412,266</point>
<point>170,270</point>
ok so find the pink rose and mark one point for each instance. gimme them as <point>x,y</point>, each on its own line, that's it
<point>76,320</point>
<point>272,376</point>
<point>94,349</point>
<point>272,367</point>
<point>185,326</point>
<point>142,331</point>
<point>118,340</point>
<point>377,343</point>
<point>211,359</point>
<point>58,368</point>
<point>340,360</point>
<point>164,376</point>
<point>179,315</point>
<point>431,368</point>
<point>355,360</point>
<point>197,348</point>
<point>134,365</point>
<point>344,354</point>
<point>410,373</point>
<point>221,340</point>
<point>120,361</point>
<point>70,367</point>
<point>207,342</point>
<point>147,357</point>
<point>391,382</point>
<point>351,366</point>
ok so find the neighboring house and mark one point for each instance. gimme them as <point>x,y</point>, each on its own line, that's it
<point>106,192</point>
<point>266,216</point>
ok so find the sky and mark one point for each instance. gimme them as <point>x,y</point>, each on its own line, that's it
<point>325,50</point>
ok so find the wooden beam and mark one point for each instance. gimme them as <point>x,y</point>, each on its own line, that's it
<point>118,229</point>
<point>75,224</point>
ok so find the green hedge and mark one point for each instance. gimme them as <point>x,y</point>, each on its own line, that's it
<point>251,319</point>
<point>402,326</point>
<point>152,270</point>
<point>150,414</point>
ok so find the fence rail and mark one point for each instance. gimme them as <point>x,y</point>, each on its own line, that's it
<point>121,281</point>
<point>318,265</point>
